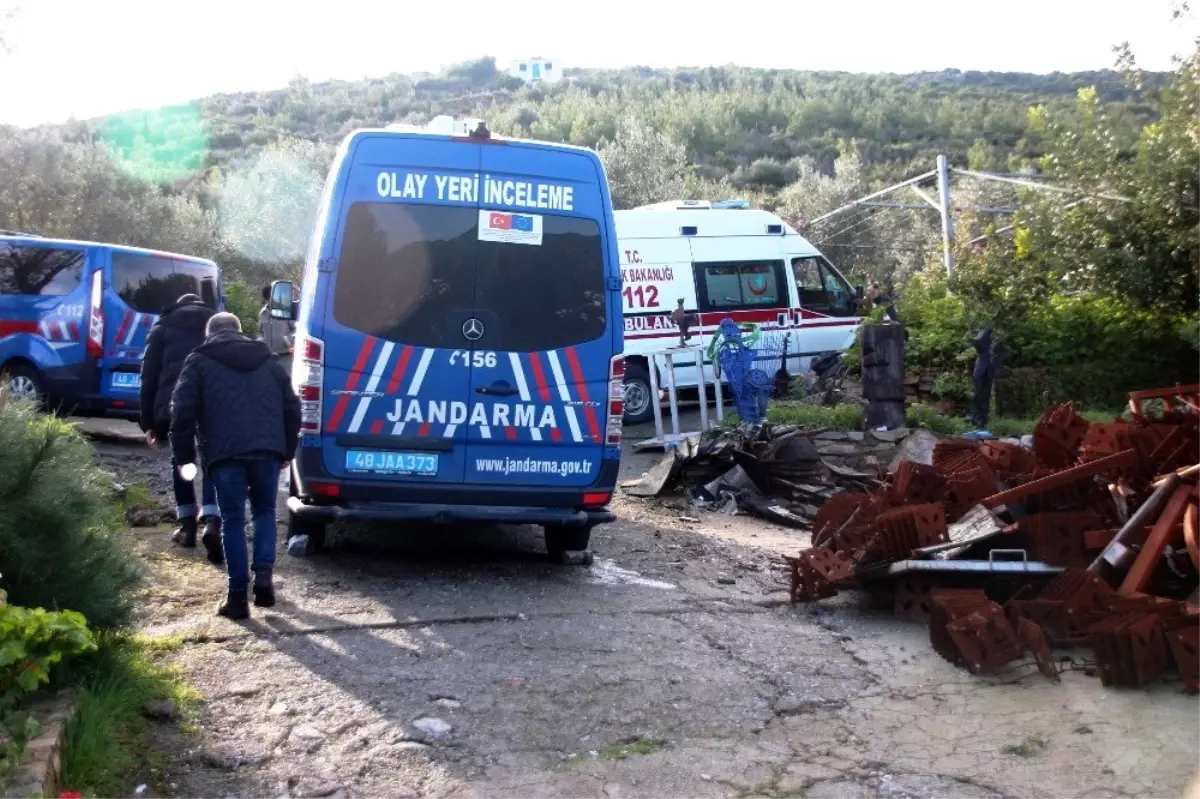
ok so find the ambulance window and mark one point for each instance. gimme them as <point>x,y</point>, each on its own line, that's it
<point>533,297</point>
<point>821,288</point>
<point>739,285</point>
<point>407,272</point>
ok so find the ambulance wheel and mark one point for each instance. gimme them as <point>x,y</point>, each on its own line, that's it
<point>313,529</point>
<point>561,539</point>
<point>24,382</point>
<point>639,401</point>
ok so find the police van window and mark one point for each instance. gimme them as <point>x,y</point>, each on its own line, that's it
<point>739,285</point>
<point>407,272</point>
<point>44,271</point>
<point>152,283</point>
<point>821,288</point>
<point>541,297</point>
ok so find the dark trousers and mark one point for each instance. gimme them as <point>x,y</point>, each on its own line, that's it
<point>185,494</point>
<point>236,480</point>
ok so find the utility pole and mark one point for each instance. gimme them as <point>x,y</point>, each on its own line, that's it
<point>943,179</point>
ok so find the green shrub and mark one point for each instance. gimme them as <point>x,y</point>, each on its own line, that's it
<point>1082,347</point>
<point>58,542</point>
<point>31,642</point>
<point>245,303</point>
<point>954,386</point>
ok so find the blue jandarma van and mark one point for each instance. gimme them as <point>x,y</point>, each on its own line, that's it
<point>459,337</point>
<point>74,316</point>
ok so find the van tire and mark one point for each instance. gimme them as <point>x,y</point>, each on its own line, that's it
<point>637,388</point>
<point>316,532</point>
<point>561,538</point>
<point>23,380</point>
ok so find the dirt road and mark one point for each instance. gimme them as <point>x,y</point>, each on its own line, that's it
<point>458,662</point>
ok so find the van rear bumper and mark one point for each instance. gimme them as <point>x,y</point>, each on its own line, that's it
<point>448,514</point>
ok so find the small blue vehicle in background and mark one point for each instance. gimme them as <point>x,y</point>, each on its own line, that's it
<point>74,316</point>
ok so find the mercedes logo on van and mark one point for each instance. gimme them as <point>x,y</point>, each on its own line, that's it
<point>472,330</point>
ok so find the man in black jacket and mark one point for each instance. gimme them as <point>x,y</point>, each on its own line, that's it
<point>239,402</point>
<point>178,331</point>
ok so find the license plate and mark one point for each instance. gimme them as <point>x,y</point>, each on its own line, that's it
<point>399,463</point>
<point>126,380</point>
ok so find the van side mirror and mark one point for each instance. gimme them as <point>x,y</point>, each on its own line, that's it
<point>859,292</point>
<point>282,306</point>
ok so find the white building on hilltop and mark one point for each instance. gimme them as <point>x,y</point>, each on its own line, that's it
<point>536,70</point>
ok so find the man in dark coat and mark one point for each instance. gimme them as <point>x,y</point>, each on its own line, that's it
<point>236,398</point>
<point>178,331</point>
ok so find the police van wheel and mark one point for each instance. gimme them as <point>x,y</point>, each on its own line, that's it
<point>561,539</point>
<point>24,382</point>
<point>639,402</point>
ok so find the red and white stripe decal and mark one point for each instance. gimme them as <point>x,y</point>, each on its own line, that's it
<point>63,333</point>
<point>121,330</point>
<point>523,388</point>
<point>74,331</point>
<point>44,329</point>
<point>565,395</point>
<point>394,384</point>
<point>385,354</point>
<point>589,411</point>
<point>137,321</point>
<point>360,363</point>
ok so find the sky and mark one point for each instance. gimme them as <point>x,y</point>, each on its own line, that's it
<point>86,58</point>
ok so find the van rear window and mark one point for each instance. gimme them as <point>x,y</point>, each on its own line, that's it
<point>152,283</point>
<point>45,271</point>
<point>415,273</point>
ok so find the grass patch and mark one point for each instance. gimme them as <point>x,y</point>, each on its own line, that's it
<point>137,496</point>
<point>107,744</point>
<point>1031,746</point>
<point>839,417</point>
<point>620,751</point>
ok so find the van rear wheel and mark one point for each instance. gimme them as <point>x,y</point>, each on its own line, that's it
<point>561,539</point>
<point>639,400</point>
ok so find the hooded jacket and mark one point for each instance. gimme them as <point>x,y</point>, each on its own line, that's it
<point>178,331</point>
<point>236,399</point>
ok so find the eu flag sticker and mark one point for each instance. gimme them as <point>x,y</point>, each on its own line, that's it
<point>506,228</point>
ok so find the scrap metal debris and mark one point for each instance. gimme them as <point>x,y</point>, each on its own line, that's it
<point>1090,538</point>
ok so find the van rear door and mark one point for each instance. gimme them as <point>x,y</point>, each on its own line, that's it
<point>141,286</point>
<point>398,290</point>
<point>542,352</point>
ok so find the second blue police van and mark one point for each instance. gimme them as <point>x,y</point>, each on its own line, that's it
<point>74,316</point>
<point>459,337</point>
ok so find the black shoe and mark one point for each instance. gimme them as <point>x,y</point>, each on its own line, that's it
<point>264,596</point>
<point>212,540</point>
<point>236,607</point>
<point>185,533</point>
<point>264,591</point>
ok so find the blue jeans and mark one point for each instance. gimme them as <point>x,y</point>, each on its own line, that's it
<point>236,479</point>
<point>185,494</point>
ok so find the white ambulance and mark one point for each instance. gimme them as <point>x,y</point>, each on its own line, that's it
<point>723,260</point>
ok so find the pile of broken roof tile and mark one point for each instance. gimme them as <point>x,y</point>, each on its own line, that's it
<point>1090,539</point>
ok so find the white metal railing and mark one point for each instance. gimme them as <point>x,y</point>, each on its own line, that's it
<point>665,359</point>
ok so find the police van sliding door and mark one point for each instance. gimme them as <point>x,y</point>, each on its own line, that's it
<point>541,359</point>
<point>397,386</point>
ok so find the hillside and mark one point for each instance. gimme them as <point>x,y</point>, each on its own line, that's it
<point>735,123</point>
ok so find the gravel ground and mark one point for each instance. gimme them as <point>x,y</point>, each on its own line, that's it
<point>438,661</point>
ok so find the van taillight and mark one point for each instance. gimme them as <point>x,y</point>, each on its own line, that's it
<point>95,326</point>
<point>616,399</point>
<point>308,372</point>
